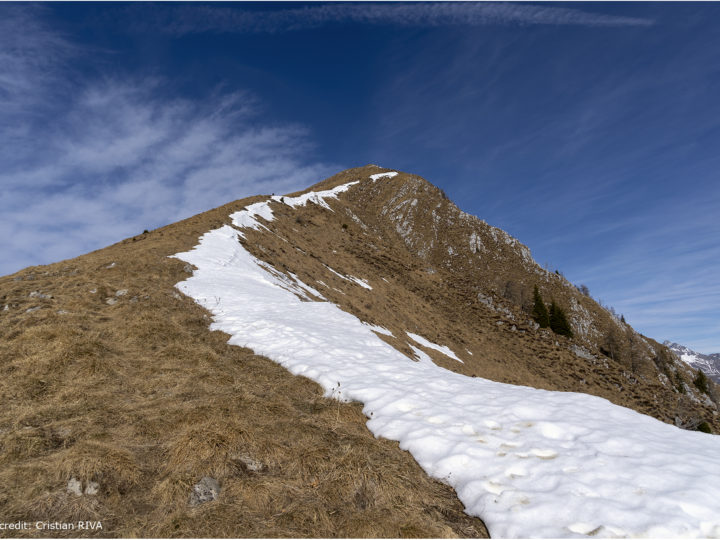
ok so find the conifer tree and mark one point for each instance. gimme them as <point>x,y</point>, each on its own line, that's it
<point>701,382</point>
<point>558,321</point>
<point>540,312</point>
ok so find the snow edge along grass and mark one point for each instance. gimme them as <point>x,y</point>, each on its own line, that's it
<point>529,462</point>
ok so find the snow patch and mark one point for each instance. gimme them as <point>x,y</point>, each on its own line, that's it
<point>374,177</point>
<point>430,345</point>
<point>379,329</point>
<point>529,462</point>
<point>307,288</point>
<point>363,283</point>
<point>247,217</point>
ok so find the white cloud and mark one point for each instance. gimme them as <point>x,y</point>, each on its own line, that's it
<point>663,273</point>
<point>30,55</point>
<point>195,19</point>
<point>135,160</point>
<point>83,168</point>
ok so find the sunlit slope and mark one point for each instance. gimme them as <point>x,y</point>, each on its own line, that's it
<point>531,463</point>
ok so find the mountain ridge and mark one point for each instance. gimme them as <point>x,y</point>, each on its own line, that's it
<point>438,225</point>
<point>114,377</point>
<point>302,291</point>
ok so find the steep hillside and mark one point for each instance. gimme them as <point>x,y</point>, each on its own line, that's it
<point>109,376</point>
<point>116,389</point>
<point>454,279</point>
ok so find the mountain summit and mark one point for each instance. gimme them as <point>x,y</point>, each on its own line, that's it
<point>452,277</point>
<point>707,363</point>
<point>399,310</point>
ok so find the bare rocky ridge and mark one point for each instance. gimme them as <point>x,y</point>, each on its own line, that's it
<point>112,379</point>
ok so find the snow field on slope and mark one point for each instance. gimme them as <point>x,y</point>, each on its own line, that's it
<point>530,463</point>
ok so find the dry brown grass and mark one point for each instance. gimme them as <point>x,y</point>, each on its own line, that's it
<point>143,399</point>
<point>359,238</point>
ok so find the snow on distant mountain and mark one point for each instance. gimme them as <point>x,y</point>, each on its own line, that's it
<point>708,363</point>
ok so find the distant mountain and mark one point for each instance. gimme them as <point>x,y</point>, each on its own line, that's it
<point>708,363</point>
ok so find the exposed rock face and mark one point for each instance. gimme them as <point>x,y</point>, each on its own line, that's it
<point>206,490</point>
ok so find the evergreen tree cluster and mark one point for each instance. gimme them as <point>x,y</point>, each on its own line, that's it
<point>555,318</point>
<point>540,312</point>
<point>701,382</point>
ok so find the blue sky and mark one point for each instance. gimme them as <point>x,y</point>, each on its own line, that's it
<point>590,131</point>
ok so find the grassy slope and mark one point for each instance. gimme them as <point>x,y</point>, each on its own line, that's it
<point>436,296</point>
<point>140,397</point>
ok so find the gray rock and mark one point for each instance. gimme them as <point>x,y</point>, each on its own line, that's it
<point>581,352</point>
<point>38,294</point>
<point>188,268</point>
<point>249,463</point>
<point>111,301</point>
<point>206,490</point>
<point>74,486</point>
<point>121,292</point>
<point>92,488</point>
<point>32,309</point>
<point>485,299</point>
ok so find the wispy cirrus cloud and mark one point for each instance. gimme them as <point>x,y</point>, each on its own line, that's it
<point>197,19</point>
<point>663,274</point>
<point>115,156</point>
<point>126,158</point>
<point>31,54</point>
